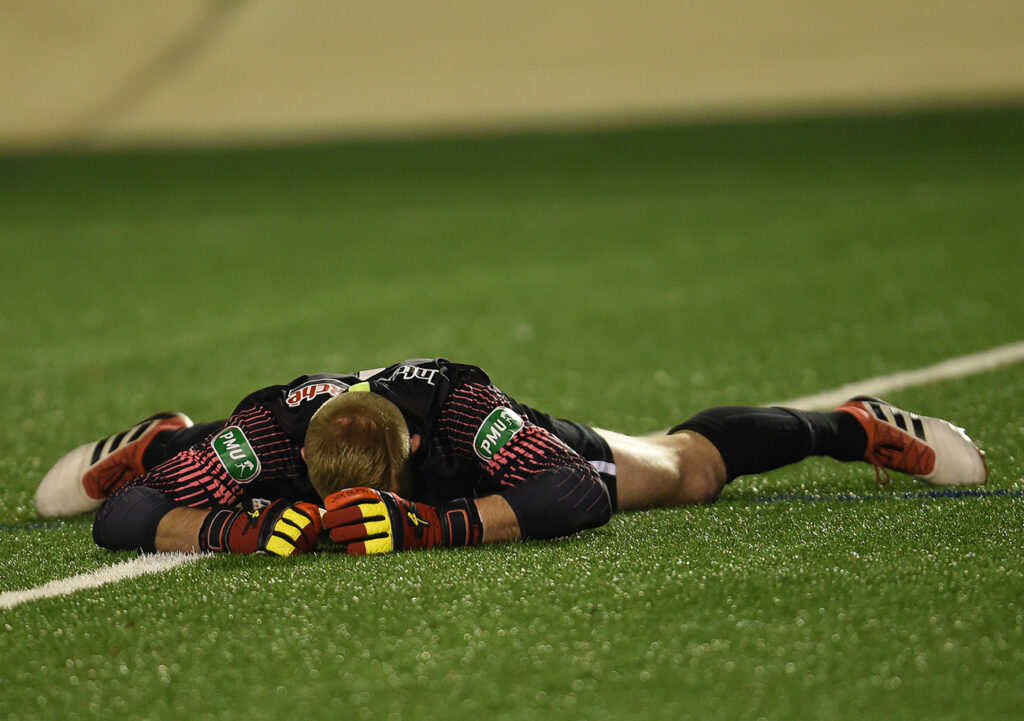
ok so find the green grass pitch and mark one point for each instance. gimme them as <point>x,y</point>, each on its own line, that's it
<point>623,278</point>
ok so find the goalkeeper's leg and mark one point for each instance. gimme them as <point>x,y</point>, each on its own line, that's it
<point>694,462</point>
<point>660,470</point>
<point>83,477</point>
<point>80,480</point>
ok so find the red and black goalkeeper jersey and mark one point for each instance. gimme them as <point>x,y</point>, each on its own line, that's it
<point>476,441</point>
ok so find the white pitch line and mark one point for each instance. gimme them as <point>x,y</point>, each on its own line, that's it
<point>947,370</point>
<point>152,563</point>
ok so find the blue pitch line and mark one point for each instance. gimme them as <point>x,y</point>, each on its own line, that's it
<point>43,525</point>
<point>848,497</point>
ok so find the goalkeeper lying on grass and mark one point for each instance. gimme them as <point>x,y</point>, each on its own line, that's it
<point>428,453</point>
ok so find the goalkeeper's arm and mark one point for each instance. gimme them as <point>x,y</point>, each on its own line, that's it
<point>541,488</point>
<point>142,518</point>
<point>365,520</point>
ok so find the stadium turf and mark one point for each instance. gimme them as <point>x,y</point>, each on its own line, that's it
<point>624,278</point>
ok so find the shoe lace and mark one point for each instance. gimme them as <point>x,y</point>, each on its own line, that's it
<point>878,461</point>
<point>881,474</point>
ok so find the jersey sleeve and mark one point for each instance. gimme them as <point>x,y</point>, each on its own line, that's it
<point>250,451</point>
<point>551,489</point>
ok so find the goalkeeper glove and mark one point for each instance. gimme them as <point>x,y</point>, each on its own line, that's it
<point>367,521</point>
<point>279,528</point>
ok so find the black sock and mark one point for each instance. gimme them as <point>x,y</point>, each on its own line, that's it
<point>756,440</point>
<point>837,434</point>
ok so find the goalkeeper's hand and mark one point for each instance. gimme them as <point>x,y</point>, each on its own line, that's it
<point>365,521</point>
<point>279,528</point>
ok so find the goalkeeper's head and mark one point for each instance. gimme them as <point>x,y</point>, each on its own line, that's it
<point>357,439</point>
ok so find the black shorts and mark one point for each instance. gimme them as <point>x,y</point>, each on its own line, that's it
<point>586,442</point>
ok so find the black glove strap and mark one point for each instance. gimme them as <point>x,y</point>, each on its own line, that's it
<point>213,536</point>
<point>460,522</point>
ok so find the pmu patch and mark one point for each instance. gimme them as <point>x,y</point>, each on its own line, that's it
<point>498,428</point>
<point>312,389</point>
<point>236,454</point>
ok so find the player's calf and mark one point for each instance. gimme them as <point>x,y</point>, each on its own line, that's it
<point>701,470</point>
<point>665,470</point>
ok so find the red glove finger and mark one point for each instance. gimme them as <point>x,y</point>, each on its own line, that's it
<point>343,517</point>
<point>350,525</point>
<point>309,533</point>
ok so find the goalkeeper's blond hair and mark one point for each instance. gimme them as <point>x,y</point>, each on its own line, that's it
<point>356,439</point>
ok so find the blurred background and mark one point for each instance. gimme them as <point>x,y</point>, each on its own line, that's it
<point>119,73</point>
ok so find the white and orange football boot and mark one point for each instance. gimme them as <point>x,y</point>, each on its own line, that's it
<point>83,478</point>
<point>929,449</point>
